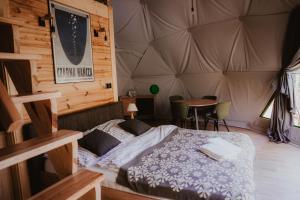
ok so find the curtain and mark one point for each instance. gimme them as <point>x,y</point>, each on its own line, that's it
<point>284,102</point>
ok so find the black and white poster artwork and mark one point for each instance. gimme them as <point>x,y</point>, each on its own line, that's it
<point>71,45</point>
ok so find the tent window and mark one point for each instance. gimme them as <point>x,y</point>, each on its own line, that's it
<point>296,79</point>
<point>267,112</point>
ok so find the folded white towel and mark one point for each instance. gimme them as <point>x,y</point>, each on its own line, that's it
<point>220,149</point>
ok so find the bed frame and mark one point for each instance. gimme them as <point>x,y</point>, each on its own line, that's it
<point>87,119</point>
<point>112,194</point>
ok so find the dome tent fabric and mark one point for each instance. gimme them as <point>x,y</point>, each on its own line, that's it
<point>231,49</point>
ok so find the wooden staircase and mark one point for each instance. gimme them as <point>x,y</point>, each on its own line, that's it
<point>61,146</point>
<point>20,152</point>
<point>84,184</point>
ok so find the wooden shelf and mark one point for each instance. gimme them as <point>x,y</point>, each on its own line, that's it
<point>14,154</point>
<point>144,103</point>
<point>19,56</point>
<point>35,97</point>
<point>19,23</point>
<point>72,187</point>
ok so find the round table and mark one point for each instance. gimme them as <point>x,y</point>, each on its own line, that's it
<point>196,103</point>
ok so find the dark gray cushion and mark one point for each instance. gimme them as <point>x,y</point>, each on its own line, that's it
<point>134,126</point>
<point>98,142</point>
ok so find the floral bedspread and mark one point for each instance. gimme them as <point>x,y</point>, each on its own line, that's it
<point>176,169</point>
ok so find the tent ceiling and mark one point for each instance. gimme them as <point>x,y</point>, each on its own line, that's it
<point>230,48</point>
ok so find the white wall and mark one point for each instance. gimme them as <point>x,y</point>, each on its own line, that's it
<point>231,49</point>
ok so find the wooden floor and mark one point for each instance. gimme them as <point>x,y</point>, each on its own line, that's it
<point>277,168</point>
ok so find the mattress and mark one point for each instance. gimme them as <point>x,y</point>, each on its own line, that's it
<point>114,164</point>
<point>88,160</point>
<point>109,178</point>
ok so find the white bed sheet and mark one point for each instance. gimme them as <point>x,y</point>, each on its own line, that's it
<point>110,163</point>
<point>126,151</point>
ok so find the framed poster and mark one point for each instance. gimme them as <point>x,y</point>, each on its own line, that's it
<point>71,40</point>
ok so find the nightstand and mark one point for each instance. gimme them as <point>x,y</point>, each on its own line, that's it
<point>144,103</point>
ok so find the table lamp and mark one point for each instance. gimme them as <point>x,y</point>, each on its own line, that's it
<point>132,108</point>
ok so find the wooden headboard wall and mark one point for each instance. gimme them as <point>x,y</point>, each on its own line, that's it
<point>87,119</point>
<point>30,38</point>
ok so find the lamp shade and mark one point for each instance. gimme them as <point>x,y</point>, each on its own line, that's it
<point>132,107</point>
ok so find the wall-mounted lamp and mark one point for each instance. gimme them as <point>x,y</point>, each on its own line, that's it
<point>100,30</point>
<point>42,21</point>
<point>107,85</point>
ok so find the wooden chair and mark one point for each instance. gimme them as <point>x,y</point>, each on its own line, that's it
<point>222,111</point>
<point>180,113</point>
<point>210,97</point>
<point>175,98</point>
<point>207,111</point>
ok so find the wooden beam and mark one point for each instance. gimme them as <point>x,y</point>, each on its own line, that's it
<point>113,53</point>
<point>19,171</point>
<point>10,117</point>
<point>20,74</point>
<point>6,182</point>
<point>95,193</point>
<point>89,6</point>
<point>113,194</point>
<point>35,97</point>
<point>73,187</point>
<point>19,152</point>
<point>19,56</point>
<point>20,23</point>
<point>16,36</point>
<point>64,160</point>
<point>43,115</point>
<point>4,8</point>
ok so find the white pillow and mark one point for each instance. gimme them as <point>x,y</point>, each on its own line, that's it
<point>109,124</point>
<point>85,157</point>
<point>120,134</point>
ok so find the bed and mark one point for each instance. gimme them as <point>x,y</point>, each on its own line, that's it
<point>164,162</point>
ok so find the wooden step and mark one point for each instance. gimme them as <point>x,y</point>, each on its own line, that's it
<point>19,23</point>
<point>14,154</point>
<point>10,117</point>
<point>72,187</point>
<point>35,97</point>
<point>19,56</point>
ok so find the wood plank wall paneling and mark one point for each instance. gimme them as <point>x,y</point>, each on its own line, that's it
<point>33,39</point>
<point>6,188</point>
<point>75,96</point>
<point>3,11</point>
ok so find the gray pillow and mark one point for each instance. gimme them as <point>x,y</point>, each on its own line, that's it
<point>98,142</point>
<point>134,126</point>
